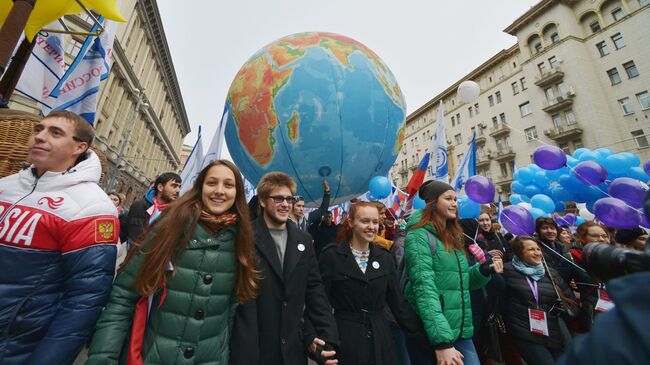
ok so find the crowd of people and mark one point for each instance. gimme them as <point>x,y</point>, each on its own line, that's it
<point>210,278</point>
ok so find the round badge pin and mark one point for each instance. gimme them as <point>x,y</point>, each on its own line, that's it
<point>301,247</point>
<point>375,265</point>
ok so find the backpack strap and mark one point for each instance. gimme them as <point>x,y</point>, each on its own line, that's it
<point>432,242</point>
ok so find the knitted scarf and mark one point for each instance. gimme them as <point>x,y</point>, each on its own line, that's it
<point>215,223</point>
<point>535,272</point>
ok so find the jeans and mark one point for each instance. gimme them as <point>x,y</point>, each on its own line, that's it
<point>466,347</point>
<point>536,354</point>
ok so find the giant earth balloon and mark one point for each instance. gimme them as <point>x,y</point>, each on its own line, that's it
<point>316,105</point>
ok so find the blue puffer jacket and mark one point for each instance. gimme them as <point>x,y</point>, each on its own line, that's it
<point>57,261</point>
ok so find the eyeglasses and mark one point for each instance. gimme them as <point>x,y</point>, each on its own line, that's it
<point>279,199</point>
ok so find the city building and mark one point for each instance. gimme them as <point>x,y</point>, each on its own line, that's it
<point>185,153</point>
<point>578,76</point>
<point>142,69</point>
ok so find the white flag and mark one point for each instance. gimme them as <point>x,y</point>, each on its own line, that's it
<point>45,67</point>
<point>439,151</point>
<point>77,91</point>
<point>193,166</point>
<point>216,146</point>
<point>467,168</point>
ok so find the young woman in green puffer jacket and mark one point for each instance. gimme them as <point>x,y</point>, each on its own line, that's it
<point>439,285</point>
<point>174,300</point>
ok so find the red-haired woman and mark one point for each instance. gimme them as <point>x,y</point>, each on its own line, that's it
<point>177,292</point>
<point>360,279</point>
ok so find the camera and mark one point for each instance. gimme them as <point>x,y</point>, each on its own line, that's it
<point>606,262</point>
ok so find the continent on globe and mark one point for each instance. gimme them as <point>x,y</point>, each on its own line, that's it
<point>310,100</point>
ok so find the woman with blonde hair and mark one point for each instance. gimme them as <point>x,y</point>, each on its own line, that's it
<point>175,297</point>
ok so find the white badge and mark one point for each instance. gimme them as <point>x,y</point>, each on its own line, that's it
<point>301,247</point>
<point>375,265</point>
<point>537,319</point>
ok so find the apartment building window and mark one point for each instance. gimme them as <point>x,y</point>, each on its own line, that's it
<point>602,48</point>
<point>614,77</point>
<point>557,121</point>
<point>476,108</point>
<point>458,138</point>
<point>618,14</point>
<point>453,121</point>
<point>471,111</point>
<point>594,26</point>
<point>460,158</point>
<point>504,169</point>
<point>553,62</point>
<point>412,145</point>
<point>565,148</point>
<point>640,139</point>
<point>570,117</point>
<point>555,38</point>
<point>458,118</point>
<point>491,100</point>
<point>495,122</point>
<point>626,105</point>
<point>618,40</point>
<point>498,96</point>
<point>538,47</point>
<point>630,69</point>
<point>550,94</point>
<point>515,88</point>
<point>578,144</point>
<point>503,118</point>
<point>542,68</point>
<point>644,2</point>
<point>644,99</point>
<point>523,83</point>
<point>525,109</point>
<point>531,133</point>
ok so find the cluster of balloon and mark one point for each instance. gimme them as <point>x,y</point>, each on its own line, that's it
<point>610,185</point>
<point>379,187</point>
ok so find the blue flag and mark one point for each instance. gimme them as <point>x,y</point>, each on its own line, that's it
<point>467,168</point>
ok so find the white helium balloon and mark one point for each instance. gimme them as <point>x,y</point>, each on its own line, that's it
<point>525,205</point>
<point>468,91</point>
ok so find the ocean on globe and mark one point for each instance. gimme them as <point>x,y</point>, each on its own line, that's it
<point>316,105</point>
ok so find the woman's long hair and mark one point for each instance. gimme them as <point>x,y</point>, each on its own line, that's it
<point>345,234</point>
<point>448,230</point>
<point>171,237</point>
<point>518,248</point>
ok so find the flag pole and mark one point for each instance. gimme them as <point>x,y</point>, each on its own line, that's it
<point>14,71</point>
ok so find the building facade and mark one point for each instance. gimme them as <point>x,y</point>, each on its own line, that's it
<point>578,76</point>
<point>142,69</point>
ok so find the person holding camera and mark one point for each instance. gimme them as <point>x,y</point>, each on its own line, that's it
<point>536,297</point>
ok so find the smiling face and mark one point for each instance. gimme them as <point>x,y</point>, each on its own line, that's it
<point>218,190</point>
<point>531,253</point>
<point>565,236</point>
<point>485,222</point>
<point>53,146</point>
<point>548,232</point>
<point>446,205</point>
<point>365,224</point>
<point>277,213</point>
<point>596,234</point>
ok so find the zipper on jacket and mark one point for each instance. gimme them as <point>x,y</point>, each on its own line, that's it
<point>462,296</point>
<point>9,208</point>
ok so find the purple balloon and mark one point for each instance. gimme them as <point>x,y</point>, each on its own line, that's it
<point>549,157</point>
<point>518,220</point>
<point>644,221</point>
<point>646,167</point>
<point>616,213</point>
<point>629,190</point>
<point>590,172</point>
<point>480,189</point>
<point>570,218</point>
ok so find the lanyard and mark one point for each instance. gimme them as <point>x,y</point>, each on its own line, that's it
<point>533,287</point>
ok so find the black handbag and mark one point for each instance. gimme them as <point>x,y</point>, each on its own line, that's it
<point>491,336</point>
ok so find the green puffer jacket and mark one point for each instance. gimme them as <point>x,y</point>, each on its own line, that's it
<point>438,286</point>
<point>194,323</point>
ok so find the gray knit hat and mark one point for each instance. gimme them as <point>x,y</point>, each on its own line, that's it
<point>432,189</point>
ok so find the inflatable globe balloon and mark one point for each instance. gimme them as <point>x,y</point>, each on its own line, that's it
<point>468,91</point>
<point>316,105</point>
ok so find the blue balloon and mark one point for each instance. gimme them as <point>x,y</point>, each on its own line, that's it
<point>560,207</point>
<point>570,182</point>
<point>589,156</point>
<point>604,152</point>
<point>632,159</point>
<point>543,202</point>
<point>536,212</point>
<point>534,168</point>
<point>467,208</point>
<point>515,199</point>
<point>418,203</point>
<point>639,174</point>
<point>571,162</point>
<point>532,190</point>
<point>540,179</point>
<point>525,198</point>
<point>526,175</point>
<point>577,153</point>
<point>579,220</point>
<point>560,193</point>
<point>518,187</point>
<point>616,164</point>
<point>380,187</point>
<point>553,175</point>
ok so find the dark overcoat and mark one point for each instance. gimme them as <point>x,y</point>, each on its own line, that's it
<point>269,330</point>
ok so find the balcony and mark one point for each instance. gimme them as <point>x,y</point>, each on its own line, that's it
<point>480,140</point>
<point>501,129</point>
<point>483,160</point>
<point>505,154</point>
<point>413,166</point>
<point>549,77</point>
<point>504,180</point>
<point>402,170</point>
<point>558,103</point>
<point>564,132</point>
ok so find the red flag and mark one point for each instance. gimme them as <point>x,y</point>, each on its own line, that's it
<point>418,177</point>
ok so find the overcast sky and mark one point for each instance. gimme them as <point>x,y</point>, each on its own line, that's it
<point>427,44</point>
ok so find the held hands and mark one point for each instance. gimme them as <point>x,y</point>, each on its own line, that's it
<point>497,264</point>
<point>316,348</point>
<point>449,356</point>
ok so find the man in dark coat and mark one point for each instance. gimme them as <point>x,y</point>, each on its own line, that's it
<point>269,329</point>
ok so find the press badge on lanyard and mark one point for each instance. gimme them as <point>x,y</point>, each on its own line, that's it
<point>536,317</point>
<point>605,302</point>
